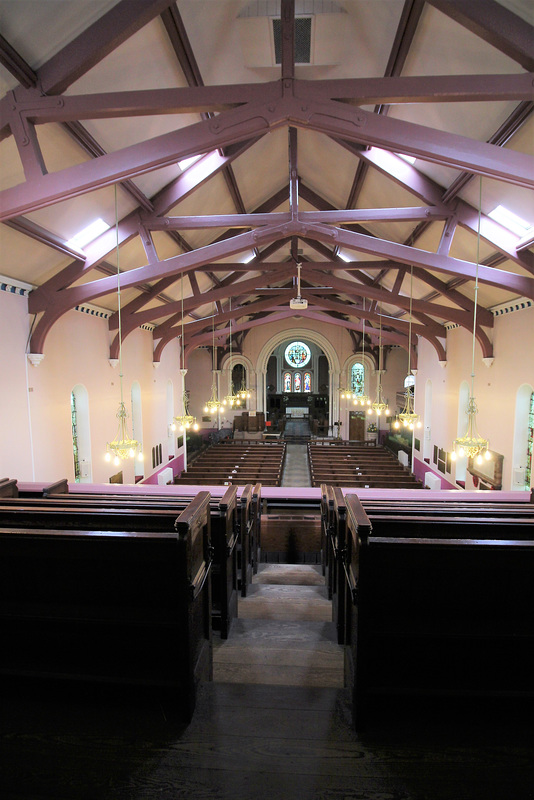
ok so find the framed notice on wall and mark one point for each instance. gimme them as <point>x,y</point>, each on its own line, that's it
<point>489,471</point>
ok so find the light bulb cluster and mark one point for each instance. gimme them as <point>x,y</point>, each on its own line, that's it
<point>184,423</point>
<point>123,446</point>
<point>407,417</point>
<point>471,444</point>
<point>357,399</point>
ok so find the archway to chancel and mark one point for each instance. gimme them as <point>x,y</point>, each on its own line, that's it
<point>299,370</point>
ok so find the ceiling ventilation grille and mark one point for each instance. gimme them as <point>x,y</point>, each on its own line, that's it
<point>303,28</point>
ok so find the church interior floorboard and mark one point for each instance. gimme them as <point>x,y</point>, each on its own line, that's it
<point>260,740</point>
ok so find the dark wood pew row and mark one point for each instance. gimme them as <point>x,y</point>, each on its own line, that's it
<point>232,519</point>
<point>358,467</point>
<point>116,607</point>
<point>237,463</point>
<point>435,618</point>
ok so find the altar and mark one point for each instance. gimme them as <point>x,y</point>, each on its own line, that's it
<point>297,412</point>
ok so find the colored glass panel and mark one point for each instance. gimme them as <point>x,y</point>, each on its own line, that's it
<point>357,379</point>
<point>74,424</point>
<point>297,354</point>
<point>297,382</point>
<point>287,381</point>
<point>530,442</point>
<point>307,382</point>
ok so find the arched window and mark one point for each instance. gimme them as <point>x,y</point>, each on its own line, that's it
<point>137,425</point>
<point>530,442</point>
<point>81,434</point>
<point>75,443</point>
<point>297,354</point>
<point>297,382</point>
<point>307,381</point>
<point>287,381</point>
<point>357,379</point>
<point>461,461</point>
<point>523,438</point>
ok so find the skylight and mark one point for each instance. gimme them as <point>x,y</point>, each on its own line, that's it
<point>344,256</point>
<point>410,159</point>
<point>248,258</point>
<point>510,220</point>
<point>88,234</point>
<point>186,162</point>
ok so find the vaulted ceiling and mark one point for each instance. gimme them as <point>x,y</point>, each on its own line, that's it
<point>300,160</point>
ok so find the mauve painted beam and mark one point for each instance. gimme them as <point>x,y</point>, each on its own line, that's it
<point>217,221</point>
<point>420,89</point>
<point>384,296</point>
<point>96,42</point>
<point>186,183</point>
<point>16,65</point>
<point>239,124</point>
<point>40,109</point>
<point>422,258</point>
<point>408,177</point>
<point>287,15</point>
<point>163,150</point>
<point>363,127</point>
<point>495,24</point>
<point>387,336</point>
<point>235,289</point>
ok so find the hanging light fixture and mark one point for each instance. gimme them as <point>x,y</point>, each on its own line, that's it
<point>123,446</point>
<point>185,421</point>
<point>232,400</point>
<point>379,406</point>
<point>213,404</point>
<point>362,399</point>
<point>471,444</point>
<point>407,417</point>
<point>350,394</point>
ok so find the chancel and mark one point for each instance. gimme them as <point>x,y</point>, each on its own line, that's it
<point>293,240</point>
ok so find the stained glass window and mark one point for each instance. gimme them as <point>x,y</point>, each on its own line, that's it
<point>530,441</point>
<point>307,382</point>
<point>75,451</point>
<point>297,382</point>
<point>297,354</point>
<point>357,379</point>
<point>287,381</point>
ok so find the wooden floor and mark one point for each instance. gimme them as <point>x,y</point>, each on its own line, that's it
<point>274,724</point>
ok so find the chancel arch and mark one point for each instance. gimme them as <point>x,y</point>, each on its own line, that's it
<point>324,366</point>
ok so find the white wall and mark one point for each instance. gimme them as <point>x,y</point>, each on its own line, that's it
<point>495,387</point>
<point>35,402</point>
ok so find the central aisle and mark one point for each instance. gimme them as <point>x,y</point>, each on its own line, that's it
<point>284,634</point>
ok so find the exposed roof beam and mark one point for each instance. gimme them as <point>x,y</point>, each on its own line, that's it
<point>495,24</point>
<point>16,65</point>
<point>239,124</point>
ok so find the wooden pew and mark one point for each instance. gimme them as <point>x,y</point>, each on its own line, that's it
<point>117,608</point>
<point>335,559</point>
<point>8,488</point>
<point>429,618</point>
<point>327,525</point>
<point>134,512</point>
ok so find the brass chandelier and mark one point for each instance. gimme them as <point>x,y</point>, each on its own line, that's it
<point>379,406</point>
<point>123,446</point>
<point>213,404</point>
<point>471,444</point>
<point>185,420</point>
<point>407,417</point>
<point>349,394</point>
<point>232,399</point>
